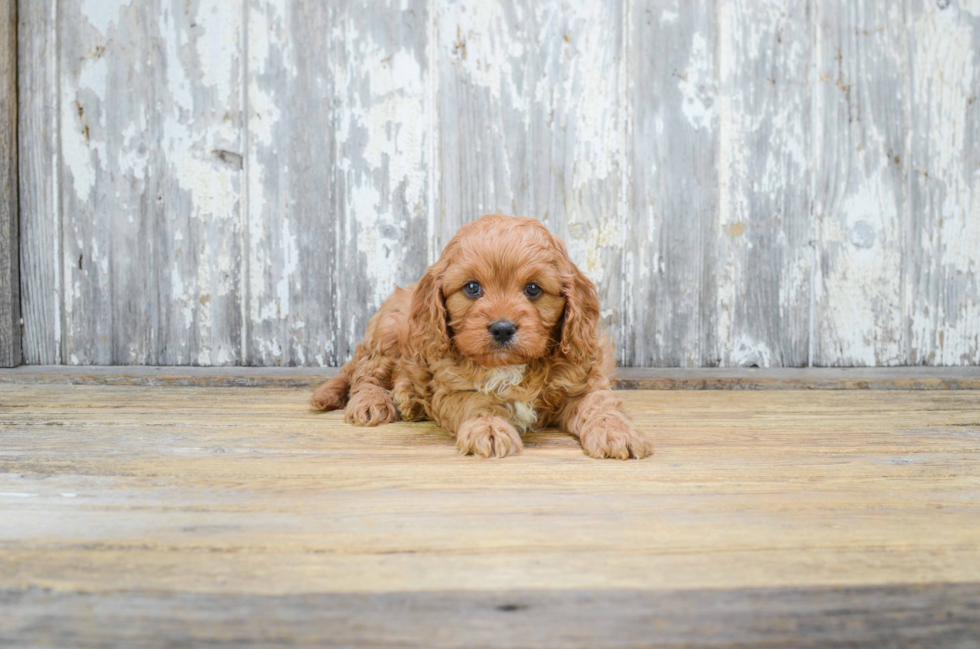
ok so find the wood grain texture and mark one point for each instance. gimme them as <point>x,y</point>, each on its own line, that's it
<point>481,53</point>
<point>295,190</point>
<point>40,223</point>
<point>674,82</point>
<point>749,182</point>
<point>338,184</point>
<point>760,237</point>
<point>151,146</point>
<point>884,616</point>
<point>10,330</point>
<point>579,149</point>
<point>636,378</point>
<point>861,197</point>
<point>942,303</point>
<point>788,505</point>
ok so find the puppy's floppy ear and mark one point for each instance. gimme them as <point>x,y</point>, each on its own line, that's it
<point>580,323</point>
<point>428,334</point>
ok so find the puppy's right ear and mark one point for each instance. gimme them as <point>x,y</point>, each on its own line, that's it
<point>428,334</point>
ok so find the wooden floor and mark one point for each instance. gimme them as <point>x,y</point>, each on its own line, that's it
<point>177,516</point>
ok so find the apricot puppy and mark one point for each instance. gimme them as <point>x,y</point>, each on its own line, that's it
<point>500,336</point>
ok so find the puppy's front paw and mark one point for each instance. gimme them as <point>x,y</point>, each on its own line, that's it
<point>488,436</point>
<point>613,436</point>
<point>371,406</point>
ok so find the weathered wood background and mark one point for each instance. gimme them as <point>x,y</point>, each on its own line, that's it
<point>749,182</point>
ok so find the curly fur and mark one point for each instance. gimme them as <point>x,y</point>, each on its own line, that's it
<point>427,352</point>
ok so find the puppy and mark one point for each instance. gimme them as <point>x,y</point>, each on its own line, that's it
<point>500,336</point>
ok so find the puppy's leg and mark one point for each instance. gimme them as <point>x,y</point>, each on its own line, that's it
<point>370,401</point>
<point>605,430</point>
<point>332,395</point>
<point>406,396</point>
<point>480,424</point>
<point>363,384</point>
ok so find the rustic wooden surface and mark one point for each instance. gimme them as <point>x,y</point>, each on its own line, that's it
<point>140,516</point>
<point>40,223</point>
<point>920,617</point>
<point>748,182</point>
<point>10,335</point>
<point>861,204</point>
<point>636,378</point>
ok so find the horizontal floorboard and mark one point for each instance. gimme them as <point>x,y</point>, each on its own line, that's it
<point>938,615</point>
<point>135,515</point>
<point>811,378</point>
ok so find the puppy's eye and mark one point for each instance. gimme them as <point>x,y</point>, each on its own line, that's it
<point>473,289</point>
<point>532,290</point>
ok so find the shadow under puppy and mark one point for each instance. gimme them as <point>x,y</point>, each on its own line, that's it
<point>500,336</point>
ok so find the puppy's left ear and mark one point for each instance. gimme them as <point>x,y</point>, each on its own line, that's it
<point>580,324</point>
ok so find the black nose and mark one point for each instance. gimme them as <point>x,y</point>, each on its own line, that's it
<point>502,331</point>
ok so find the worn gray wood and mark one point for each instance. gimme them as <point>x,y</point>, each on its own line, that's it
<point>578,149</point>
<point>756,304</point>
<point>749,182</point>
<point>860,193</point>
<point>151,150</point>
<point>482,159</point>
<point>674,81</point>
<point>10,335</point>
<point>40,224</point>
<point>338,172</point>
<point>942,292</point>
<point>902,615</point>
<point>384,136</point>
<point>294,202</point>
<point>626,378</point>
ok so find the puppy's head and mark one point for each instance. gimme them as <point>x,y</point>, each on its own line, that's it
<point>505,292</point>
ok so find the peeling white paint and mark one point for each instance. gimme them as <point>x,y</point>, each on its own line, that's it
<point>483,35</point>
<point>543,98</point>
<point>698,85</point>
<point>854,293</point>
<point>971,7</point>
<point>587,244</point>
<point>946,319</point>
<point>388,104</point>
<point>103,14</point>
<point>746,352</point>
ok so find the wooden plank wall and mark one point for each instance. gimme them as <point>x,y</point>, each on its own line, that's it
<point>749,182</point>
<point>10,334</point>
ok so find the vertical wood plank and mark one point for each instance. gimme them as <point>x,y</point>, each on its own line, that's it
<point>10,336</point>
<point>481,50</point>
<point>577,119</point>
<point>40,214</point>
<point>338,172</point>
<point>293,202</point>
<point>860,201</point>
<point>757,309</point>
<point>151,143</point>
<point>943,288</point>
<point>384,138</point>
<point>674,173</point>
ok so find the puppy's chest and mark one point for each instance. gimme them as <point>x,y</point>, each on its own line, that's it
<point>506,386</point>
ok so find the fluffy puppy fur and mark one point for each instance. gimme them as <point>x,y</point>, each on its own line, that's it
<point>429,352</point>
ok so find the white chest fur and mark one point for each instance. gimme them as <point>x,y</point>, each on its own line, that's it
<point>499,382</point>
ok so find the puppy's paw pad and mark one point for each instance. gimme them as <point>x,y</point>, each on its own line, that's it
<point>614,437</point>
<point>488,436</point>
<point>371,408</point>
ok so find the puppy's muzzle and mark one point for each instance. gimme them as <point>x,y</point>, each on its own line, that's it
<point>503,331</point>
